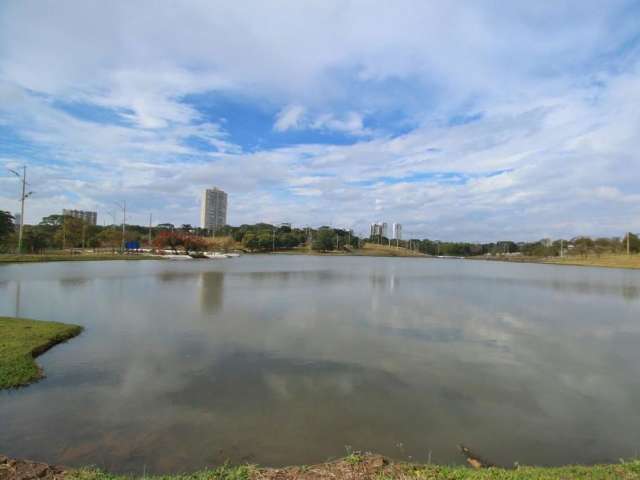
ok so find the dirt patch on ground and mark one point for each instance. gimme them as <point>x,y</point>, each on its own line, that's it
<point>11,469</point>
<point>363,467</point>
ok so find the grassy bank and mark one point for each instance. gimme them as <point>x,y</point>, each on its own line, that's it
<point>375,250</point>
<point>374,467</point>
<point>610,261</point>
<point>67,257</point>
<point>367,250</point>
<point>605,261</point>
<point>22,340</point>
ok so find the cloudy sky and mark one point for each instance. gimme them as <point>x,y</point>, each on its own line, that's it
<point>463,120</point>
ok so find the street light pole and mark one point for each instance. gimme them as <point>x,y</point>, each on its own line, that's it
<point>23,197</point>
<point>124,221</point>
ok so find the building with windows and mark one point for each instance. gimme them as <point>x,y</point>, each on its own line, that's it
<point>88,217</point>
<point>213,210</point>
<point>396,231</point>
<point>378,230</point>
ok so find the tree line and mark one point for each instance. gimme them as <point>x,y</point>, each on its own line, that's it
<point>581,245</point>
<point>56,232</point>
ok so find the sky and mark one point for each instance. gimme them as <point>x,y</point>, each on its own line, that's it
<point>463,120</point>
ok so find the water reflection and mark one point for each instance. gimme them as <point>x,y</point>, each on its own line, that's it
<point>73,281</point>
<point>525,364</point>
<point>211,291</point>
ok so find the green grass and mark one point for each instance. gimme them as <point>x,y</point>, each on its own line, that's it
<point>67,257</point>
<point>21,340</point>
<point>349,468</point>
<point>626,471</point>
<point>604,261</point>
<point>225,472</point>
<point>608,260</point>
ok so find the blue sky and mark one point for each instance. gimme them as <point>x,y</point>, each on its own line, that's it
<point>476,120</point>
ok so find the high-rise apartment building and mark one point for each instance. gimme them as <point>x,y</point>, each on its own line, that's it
<point>213,211</point>
<point>88,217</point>
<point>397,231</point>
<point>378,230</point>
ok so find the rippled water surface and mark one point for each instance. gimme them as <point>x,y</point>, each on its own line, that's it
<point>285,359</point>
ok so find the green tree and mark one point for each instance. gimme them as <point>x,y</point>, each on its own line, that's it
<point>35,239</point>
<point>634,243</point>
<point>324,240</point>
<point>250,241</point>
<point>7,227</point>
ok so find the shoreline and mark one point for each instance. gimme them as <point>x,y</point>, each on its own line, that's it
<point>22,341</point>
<point>356,466</point>
<point>68,257</point>
<point>624,262</point>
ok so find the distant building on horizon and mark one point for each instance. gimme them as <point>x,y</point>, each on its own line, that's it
<point>378,230</point>
<point>213,210</point>
<point>396,231</point>
<point>88,217</point>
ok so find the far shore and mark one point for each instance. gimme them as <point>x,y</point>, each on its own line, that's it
<point>601,261</point>
<point>72,257</point>
<point>368,250</point>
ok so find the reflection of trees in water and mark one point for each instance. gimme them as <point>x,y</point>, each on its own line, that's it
<point>293,276</point>
<point>211,291</point>
<point>73,281</point>
<point>175,276</point>
<point>630,292</point>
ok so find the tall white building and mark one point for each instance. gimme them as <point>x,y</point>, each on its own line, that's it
<point>397,231</point>
<point>213,211</point>
<point>378,230</point>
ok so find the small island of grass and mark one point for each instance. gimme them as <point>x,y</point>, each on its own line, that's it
<point>21,341</point>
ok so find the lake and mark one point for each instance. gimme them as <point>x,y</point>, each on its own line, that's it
<point>277,360</point>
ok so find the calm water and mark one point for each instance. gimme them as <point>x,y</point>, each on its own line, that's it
<point>279,360</point>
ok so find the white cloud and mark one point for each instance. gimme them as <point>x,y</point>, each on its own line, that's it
<point>289,118</point>
<point>552,150</point>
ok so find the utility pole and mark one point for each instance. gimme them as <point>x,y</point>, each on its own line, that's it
<point>124,221</point>
<point>23,197</point>
<point>150,222</point>
<point>561,248</point>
